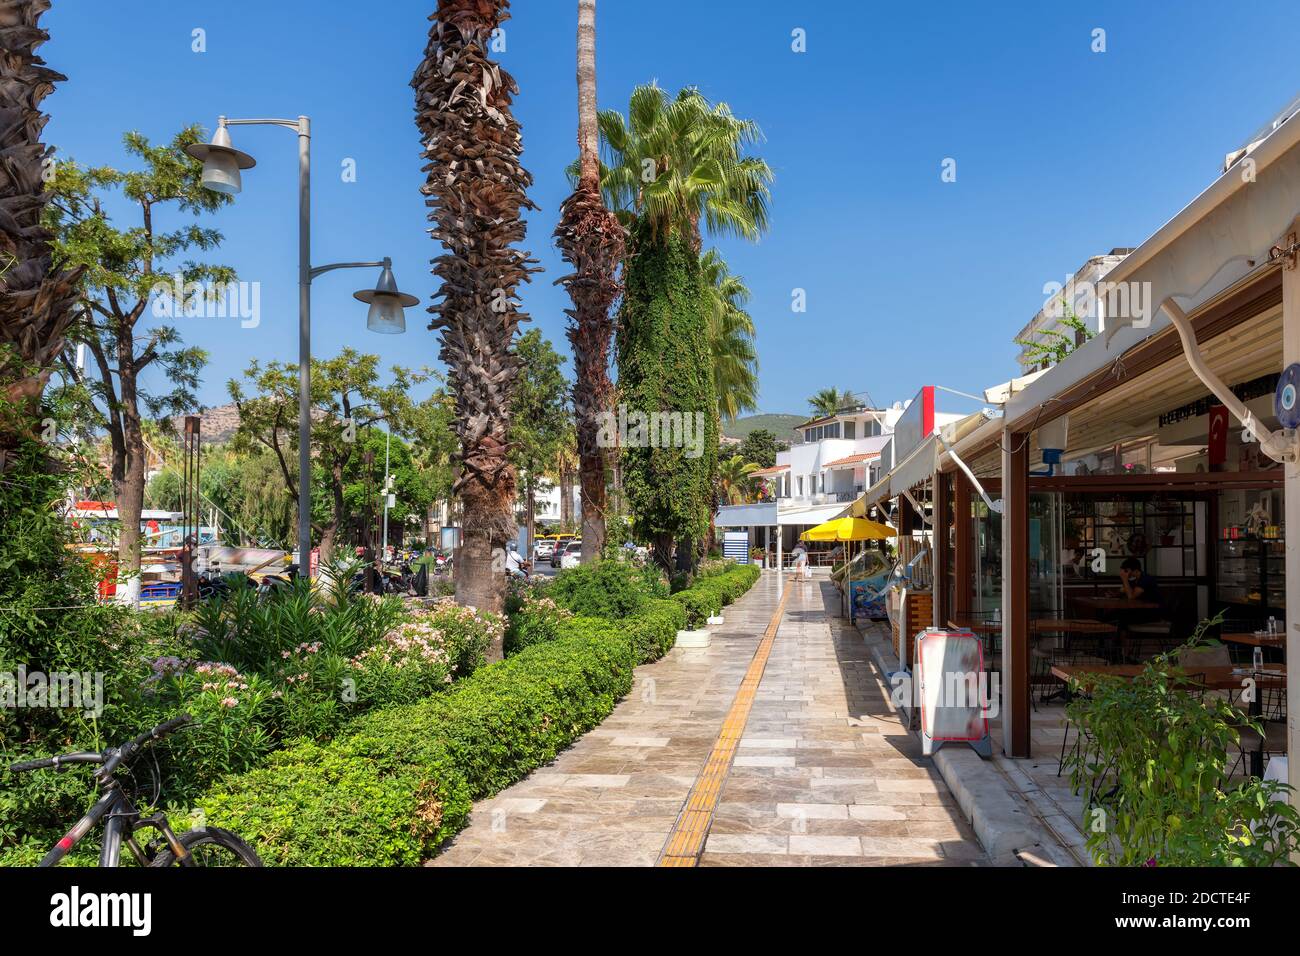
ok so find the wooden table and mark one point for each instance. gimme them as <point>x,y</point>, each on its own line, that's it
<point>1255,640</point>
<point>1049,625</point>
<point>1215,678</point>
<point>1116,604</point>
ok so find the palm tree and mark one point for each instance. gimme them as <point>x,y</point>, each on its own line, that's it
<point>731,339</point>
<point>37,296</point>
<point>830,400</point>
<point>476,189</point>
<point>736,479</point>
<point>563,469</point>
<point>592,241</point>
<point>677,161</point>
<point>676,170</point>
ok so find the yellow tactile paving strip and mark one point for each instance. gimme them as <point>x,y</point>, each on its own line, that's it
<point>686,840</point>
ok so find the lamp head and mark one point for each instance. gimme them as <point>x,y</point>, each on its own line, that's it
<point>221,162</point>
<point>386,314</point>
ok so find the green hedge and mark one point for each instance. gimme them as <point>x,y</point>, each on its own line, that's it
<point>709,595</point>
<point>402,780</point>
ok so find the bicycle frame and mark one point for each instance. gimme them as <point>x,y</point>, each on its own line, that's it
<point>123,820</point>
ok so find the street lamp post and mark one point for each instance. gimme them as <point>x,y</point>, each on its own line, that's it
<point>222,164</point>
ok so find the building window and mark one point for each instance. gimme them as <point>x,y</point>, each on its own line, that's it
<point>850,430</point>
<point>801,486</point>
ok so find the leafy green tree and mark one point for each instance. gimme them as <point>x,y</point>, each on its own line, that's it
<point>124,270</point>
<point>347,398</point>
<point>760,447</point>
<point>540,417</point>
<point>363,493</point>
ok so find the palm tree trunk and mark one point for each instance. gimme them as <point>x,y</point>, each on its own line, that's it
<point>591,240</point>
<point>566,498</point>
<point>476,191</point>
<point>36,298</point>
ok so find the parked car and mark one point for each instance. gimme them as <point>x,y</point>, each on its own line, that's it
<point>563,548</point>
<point>572,555</point>
<point>544,549</point>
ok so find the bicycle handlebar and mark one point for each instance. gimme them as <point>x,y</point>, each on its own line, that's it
<point>44,762</point>
<point>111,759</point>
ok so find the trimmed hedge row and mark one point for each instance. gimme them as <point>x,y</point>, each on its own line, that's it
<point>708,596</point>
<point>402,779</point>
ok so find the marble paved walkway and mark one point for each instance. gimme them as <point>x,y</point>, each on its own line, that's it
<point>825,774</point>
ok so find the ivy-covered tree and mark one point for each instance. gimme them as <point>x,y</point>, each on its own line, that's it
<point>123,317</point>
<point>668,483</point>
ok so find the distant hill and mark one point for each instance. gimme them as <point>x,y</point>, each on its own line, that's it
<point>782,426</point>
<point>216,426</point>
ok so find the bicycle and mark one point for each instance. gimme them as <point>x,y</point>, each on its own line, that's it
<point>202,846</point>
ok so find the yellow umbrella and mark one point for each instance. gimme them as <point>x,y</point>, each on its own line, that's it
<point>849,529</point>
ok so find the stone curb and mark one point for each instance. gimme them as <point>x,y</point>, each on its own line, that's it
<point>999,819</point>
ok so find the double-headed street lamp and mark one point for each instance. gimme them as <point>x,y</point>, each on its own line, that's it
<point>222,164</point>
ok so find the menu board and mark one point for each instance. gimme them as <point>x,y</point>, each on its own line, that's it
<point>952,690</point>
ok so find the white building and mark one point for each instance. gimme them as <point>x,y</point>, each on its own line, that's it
<point>1084,292</point>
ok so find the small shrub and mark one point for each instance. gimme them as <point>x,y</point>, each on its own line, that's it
<point>607,588</point>
<point>535,621</point>
<point>1155,767</point>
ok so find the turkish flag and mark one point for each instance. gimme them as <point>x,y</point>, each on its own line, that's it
<point>1218,447</point>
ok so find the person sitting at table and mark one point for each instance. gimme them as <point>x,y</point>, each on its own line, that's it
<point>1137,584</point>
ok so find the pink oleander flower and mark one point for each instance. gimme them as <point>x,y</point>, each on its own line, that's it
<point>229,702</point>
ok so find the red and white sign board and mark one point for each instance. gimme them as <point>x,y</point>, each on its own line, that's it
<point>952,690</point>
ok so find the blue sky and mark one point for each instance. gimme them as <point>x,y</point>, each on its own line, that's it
<point>1061,153</point>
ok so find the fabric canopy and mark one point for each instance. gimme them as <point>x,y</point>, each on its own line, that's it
<point>849,529</point>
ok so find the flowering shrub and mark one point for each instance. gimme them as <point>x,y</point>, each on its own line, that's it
<point>411,662</point>
<point>535,621</point>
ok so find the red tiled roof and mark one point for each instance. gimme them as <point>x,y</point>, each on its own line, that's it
<point>770,471</point>
<point>853,459</point>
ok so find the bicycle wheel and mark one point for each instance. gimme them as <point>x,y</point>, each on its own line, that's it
<point>211,846</point>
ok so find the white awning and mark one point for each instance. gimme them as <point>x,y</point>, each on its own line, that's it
<point>812,516</point>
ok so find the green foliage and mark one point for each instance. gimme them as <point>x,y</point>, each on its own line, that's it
<point>124,267</point>
<point>664,366</point>
<point>1155,765</point>
<point>1053,345</point>
<point>609,588</point>
<point>736,481</point>
<point>534,619</point>
<point>51,624</point>
<point>760,447</point>
<point>731,338</point>
<point>351,399</point>
<point>396,787</point>
<point>400,782</point>
<point>712,592</point>
<point>540,416</point>
<point>830,400</point>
